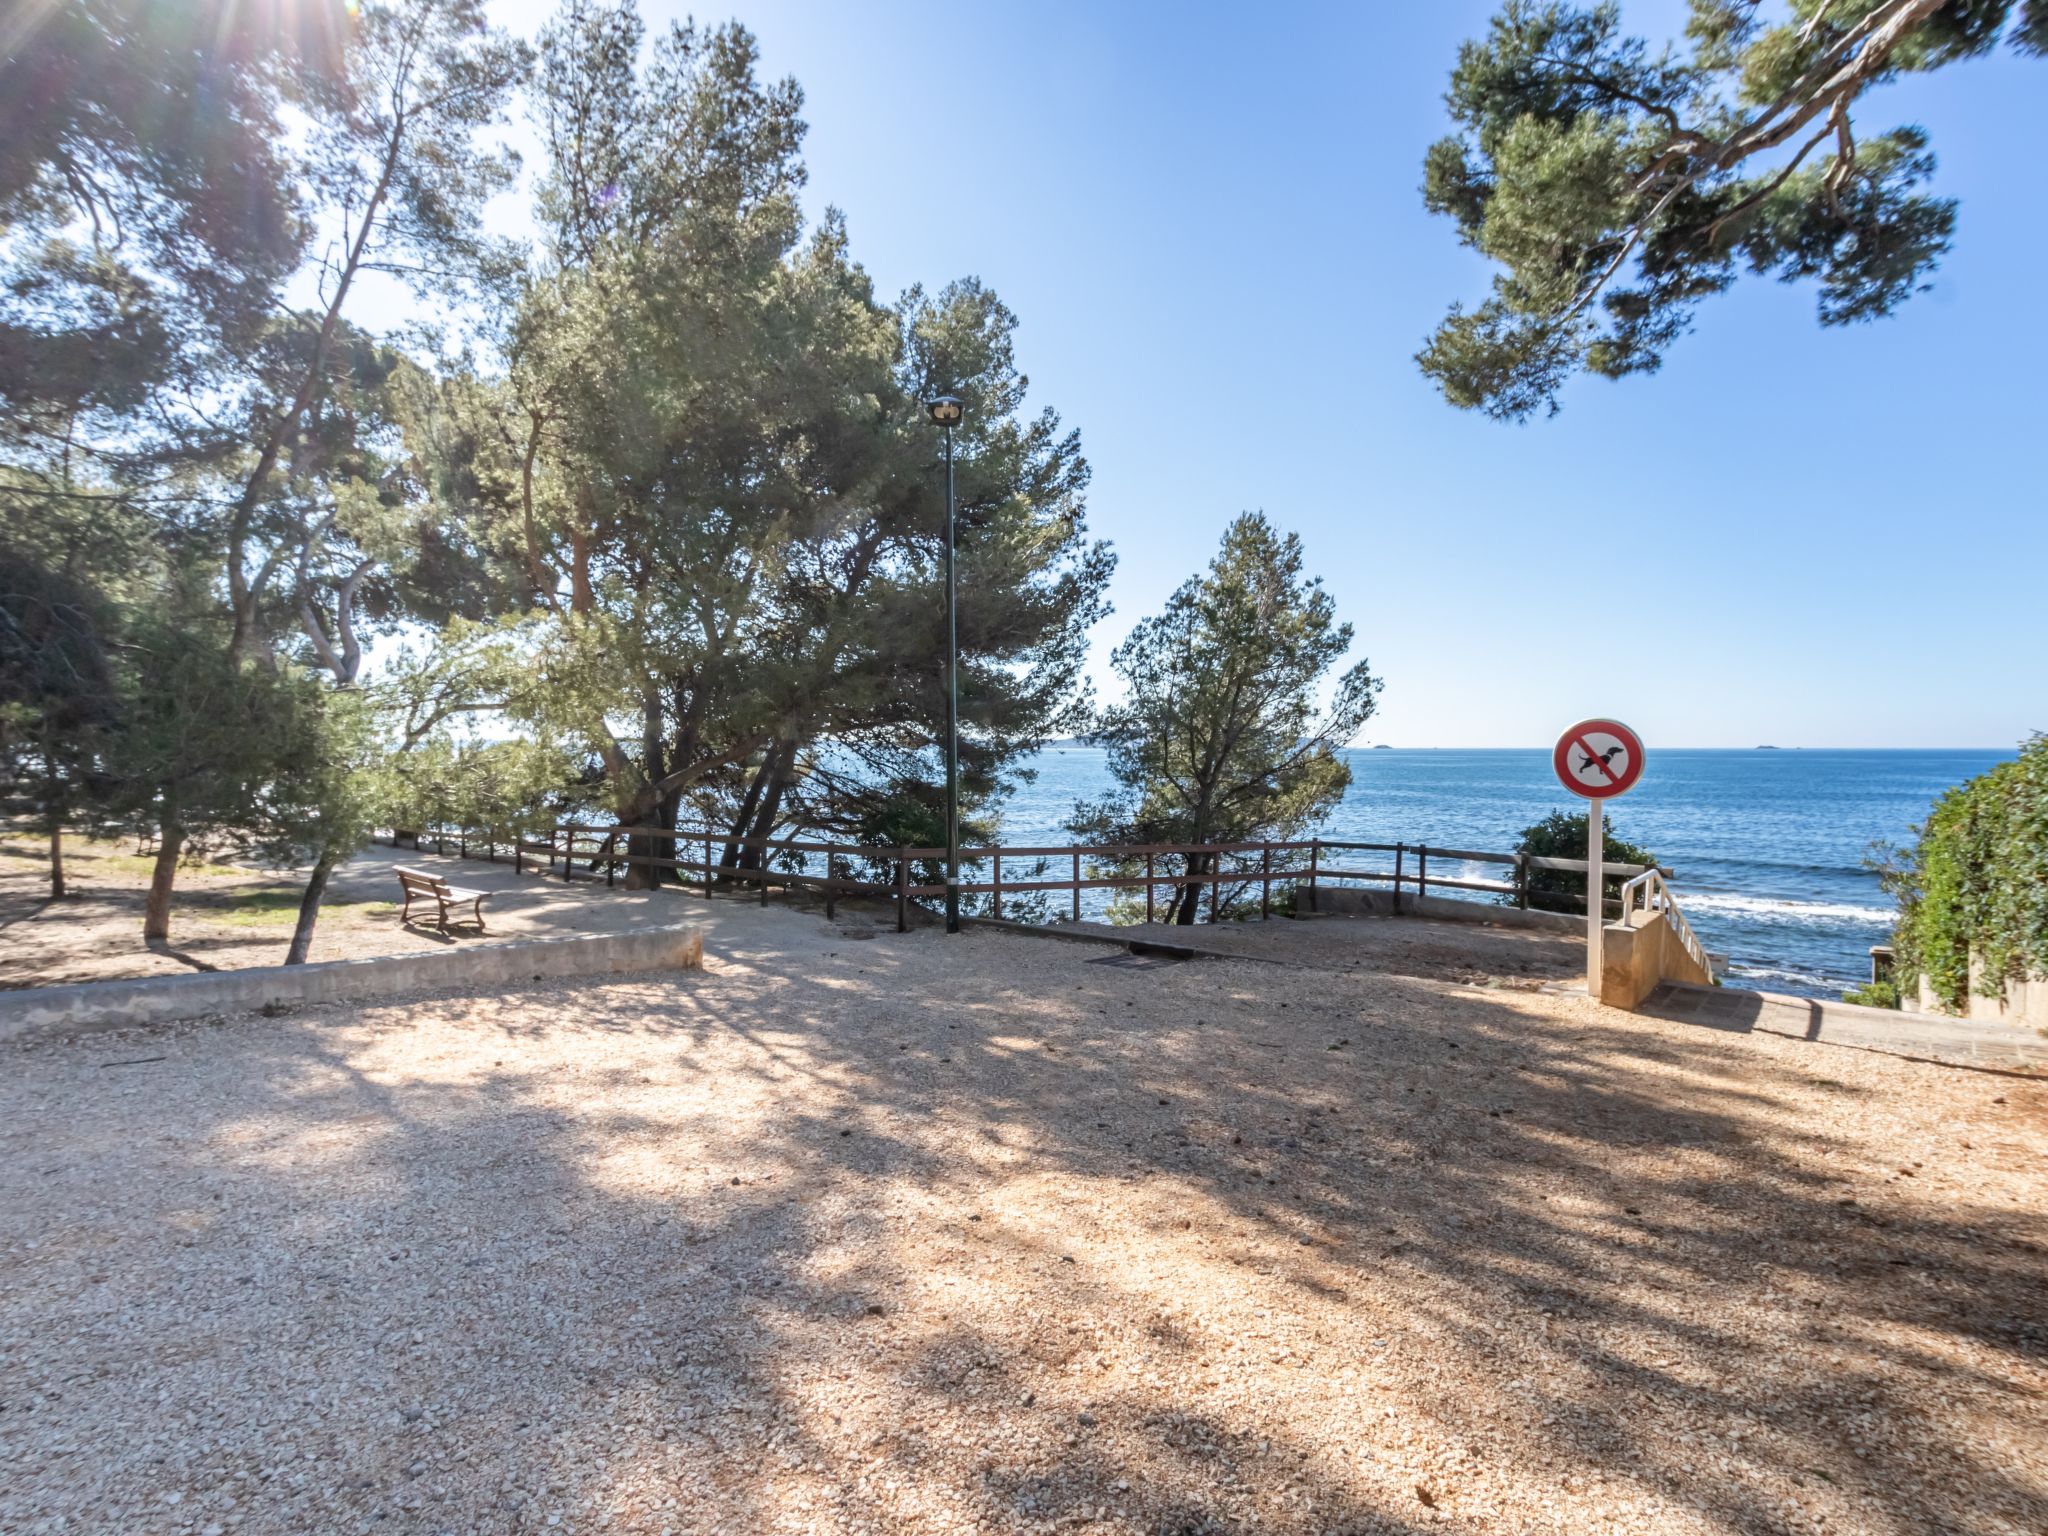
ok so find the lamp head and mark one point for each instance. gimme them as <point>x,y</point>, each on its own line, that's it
<point>944,410</point>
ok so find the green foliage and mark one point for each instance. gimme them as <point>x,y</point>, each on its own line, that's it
<point>904,821</point>
<point>1219,738</point>
<point>322,791</point>
<point>1566,835</point>
<point>516,787</point>
<point>147,210</point>
<point>1876,994</point>
<point>1616,186</point>
<point>59,659</point>
<point>1975,884</point>
<point>201,734</point>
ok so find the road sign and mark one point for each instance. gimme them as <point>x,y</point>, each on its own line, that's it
<point>1599,759</point>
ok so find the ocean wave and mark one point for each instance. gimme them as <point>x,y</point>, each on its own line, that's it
<point>1811,978</point>
<point>1773,909</point>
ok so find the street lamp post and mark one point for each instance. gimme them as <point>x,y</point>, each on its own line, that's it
<point>945,413</point>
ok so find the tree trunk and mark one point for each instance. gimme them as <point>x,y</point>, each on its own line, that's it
<point>309,910</point>
<point>646,806</point>
<point>734,854</point>
<point>1187,901</point>
<point>56,861</point>
<point>643,810</point>
<point>156,911</point>
<point>770,806</point>
<point>759,807</point>
<point>671,816</point>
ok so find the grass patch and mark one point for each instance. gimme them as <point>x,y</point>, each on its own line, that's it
<point>145,866</point>
<point>278,906</point>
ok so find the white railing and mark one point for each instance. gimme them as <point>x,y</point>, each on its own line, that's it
<point>1648,893</point>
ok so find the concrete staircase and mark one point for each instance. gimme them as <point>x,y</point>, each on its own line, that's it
<point>1649,945</point>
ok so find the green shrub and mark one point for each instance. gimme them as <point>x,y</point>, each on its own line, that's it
<point>1878,994</point>
<point>1563,835</point>
<point>1976,882</point>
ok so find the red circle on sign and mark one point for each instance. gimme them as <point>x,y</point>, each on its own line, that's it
<point>1598,759</point>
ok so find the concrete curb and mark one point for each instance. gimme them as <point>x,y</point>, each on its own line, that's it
<point>37,1013</point>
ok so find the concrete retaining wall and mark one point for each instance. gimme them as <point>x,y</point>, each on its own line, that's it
<point>2025,1002</point>
<point>40,1012</point>
<point>1360,901</point>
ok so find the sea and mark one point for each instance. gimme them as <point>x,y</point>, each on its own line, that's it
<point>1767,845</point>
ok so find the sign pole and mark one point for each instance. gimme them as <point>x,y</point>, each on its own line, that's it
<point>1596,905</point>
<point>1596,759</point>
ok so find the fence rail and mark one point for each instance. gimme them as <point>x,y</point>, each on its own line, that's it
<point>602,852</point>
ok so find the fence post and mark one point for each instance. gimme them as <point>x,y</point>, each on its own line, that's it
<point>1148,890</point>
<point>1400,855</point>
<point>997,908</point>
<point>610,864</point>
<point>1215,882</point>
<point>903,890</point>
<point>569,858</point>
<point>831,886</point>
<point>1315,854</point>
<point>1265,882</point>
<point>764,871</point>
<point>1522,881</point>
<point>1421,875</point>
<point>1077,885</point>
<point>707,866</point>
<point>518,853</point>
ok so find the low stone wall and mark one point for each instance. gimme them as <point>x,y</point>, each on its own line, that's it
<point>1360,901</point>
<point>40,1012</point>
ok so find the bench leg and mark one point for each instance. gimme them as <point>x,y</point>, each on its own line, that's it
<point>477,909</point>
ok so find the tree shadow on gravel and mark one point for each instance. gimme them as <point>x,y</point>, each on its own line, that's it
<point>893,1242</point>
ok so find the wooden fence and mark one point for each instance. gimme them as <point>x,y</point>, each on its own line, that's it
<point>601,852</point>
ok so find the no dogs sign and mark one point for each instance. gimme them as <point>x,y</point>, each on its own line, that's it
<point>1599,759</point>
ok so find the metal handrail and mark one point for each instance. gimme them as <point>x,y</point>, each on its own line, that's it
<point>1648,893</point>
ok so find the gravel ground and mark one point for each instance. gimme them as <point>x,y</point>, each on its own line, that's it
<point>985,1234</point>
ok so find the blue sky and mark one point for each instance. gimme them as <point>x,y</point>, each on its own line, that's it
<point>1206,219</point>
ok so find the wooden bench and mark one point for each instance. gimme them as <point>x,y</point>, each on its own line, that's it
<point>417,883</point>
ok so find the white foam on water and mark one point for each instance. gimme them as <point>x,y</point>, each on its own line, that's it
<point>1776,973</point>
<point>1776,910</point>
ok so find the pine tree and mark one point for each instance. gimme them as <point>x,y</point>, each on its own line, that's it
<point>1617,186</point>
<point>1219,738</point>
